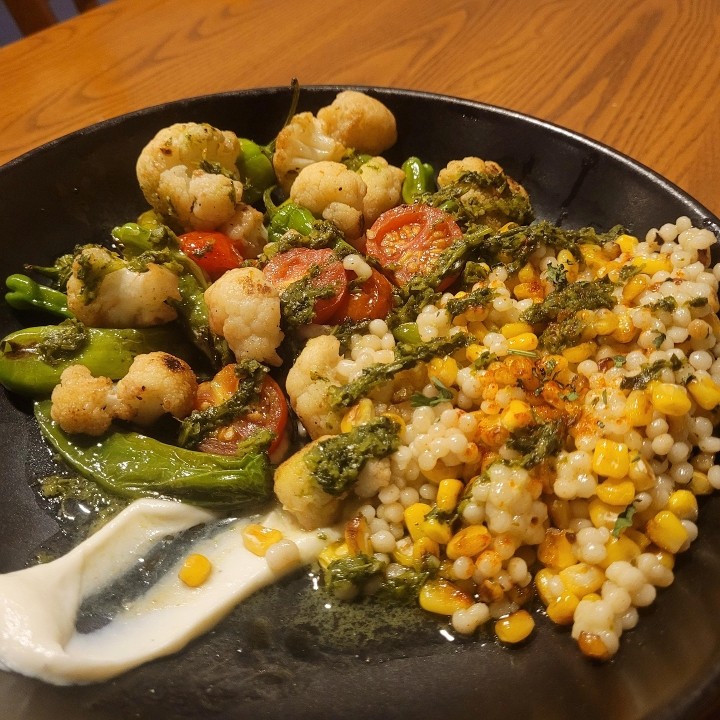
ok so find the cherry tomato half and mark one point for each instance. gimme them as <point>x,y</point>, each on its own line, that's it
<point>293,265</point>
<point>269,412</point>
<point>408,240</point>
<point>372,300</point>
<point>214,252</point>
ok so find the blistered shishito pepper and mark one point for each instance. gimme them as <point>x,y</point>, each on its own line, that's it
<point>419,179</point>
<point>256,170</point>
<point>289,216</point>
<point>32,359</point>
<point>132,465</point>
<point>26,294</point>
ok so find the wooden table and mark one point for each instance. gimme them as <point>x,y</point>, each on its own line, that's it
<point>640,76</point>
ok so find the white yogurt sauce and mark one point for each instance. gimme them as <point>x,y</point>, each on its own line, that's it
<point>39,605</point>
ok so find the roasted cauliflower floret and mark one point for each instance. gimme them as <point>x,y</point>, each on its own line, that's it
<point>301,495</point>
<point>156,383</point>
<point>245,309</point>
<point>384,187</point>
<point>360,122</point>
<point>300,143</point>
<point>188,174</point>
<point>246,230</point>
<point>307,384</point>
<point>329,189</point>
<point>82,403</point>
<point>486,192</point>
<point>103,292</point>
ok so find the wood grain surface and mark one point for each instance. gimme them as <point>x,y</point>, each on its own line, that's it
<point>641,76</point>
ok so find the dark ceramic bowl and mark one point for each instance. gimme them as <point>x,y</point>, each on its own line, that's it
<point>283,654</point>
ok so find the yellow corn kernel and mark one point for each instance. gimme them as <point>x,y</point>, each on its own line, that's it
<point>705,391</point>
<point>555,551</point>
<point>641,474</point>
<point>567,259</point>
<point>443,597</point>
<point>605,322</point>
<point>619,548</point>
<point>424,546</point>
<point>683,504</point>
<point>527,273</point>
<point>474,351</point>
<point>334,551</point>
<point>516,415</point>
<point>669,398</point>
<point>443,369</point>
<point>359,413</point>
<point>652,264</point>
<point>414,518</point>
<point>602,514</point>
<point>626,330</point>
<point>448,494</point>
<point>560,512</point>
<point>635,286</point>
<point>562,609</point>
<point>582,578</point>
<point>544,583</point>
<point>258,538</point>
<point>592,255</point>
<point>627,243</point>
<point>611,459</point>
<point>437,530</point>
<point>195,570</point>
<point>667,559</point>
<point>638,408</point>
<point>616,492</point>
<point>357,536</point>
<point>515,628</point>
<point>580,352</point>
<point>526,341</point>
<point>592,645</point>
<point>700,485</point>
<point>639,538</point>
<point>512,329</point>
<point>523,291</point>
<point>396,418</point>
<point>468,542</point>
<point>403,555</point>
<point>666,531</point>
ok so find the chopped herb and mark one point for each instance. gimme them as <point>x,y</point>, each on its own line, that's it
<point>658,340</point>
<point>524,353</point>
<point>62,342</point>
<point>619,360</point>
<point>649,372</point>
<point>557,275</point>
<point>345,576</point>
<point>484,360</point>
<point>629,271</point>
<point>336,462</point>
<point>444,394</point>
<point>571,396</point>
<point>697,302</point>
<point>667,304</point>
<point>477,298</point>
<point>583,295</point>
<point>562,334</point>
<point>624,520</point>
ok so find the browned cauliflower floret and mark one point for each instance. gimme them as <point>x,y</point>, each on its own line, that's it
<point>156,383</point>
<point>301,495</point>
<point>245,309</point>
<point>188,174</point>
<point>329,189</point>
<point>308,382</point>
<point>103,292</point>
<point>489,194</point>
<point>247,231</point>
<point>384,187</point>
<point>360,122</point>
<point>82,403</point>
<point>300,143</point>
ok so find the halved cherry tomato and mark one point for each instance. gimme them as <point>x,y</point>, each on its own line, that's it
<point>214,252</point>
<point>269,412</point>
<point>293,265</point>
<point>370,301</point>
<point>408,240</point>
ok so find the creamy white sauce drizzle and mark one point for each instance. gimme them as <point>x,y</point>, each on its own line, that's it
<point>39,605</point>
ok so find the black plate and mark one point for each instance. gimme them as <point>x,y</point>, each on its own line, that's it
<point>282,655</point>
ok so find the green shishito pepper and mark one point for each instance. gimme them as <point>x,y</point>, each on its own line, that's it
<point>132,465</point>
<point>32,359</point>
<point>289,216</point>
<point>256,170</point>
<point>419,179</point>
<point>26,294</point>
